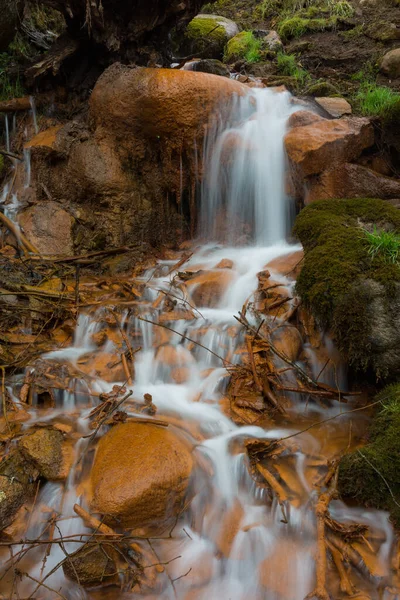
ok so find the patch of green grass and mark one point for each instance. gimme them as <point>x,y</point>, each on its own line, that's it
<point>10,87</point>
<point>243,46</point>
<point>287,65</point>
<point>342,9</point>
<point>378,101</point>
<point>385,243</point>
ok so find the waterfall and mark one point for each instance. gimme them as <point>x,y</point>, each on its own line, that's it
<point>240,536</point>
<point>244,183</point>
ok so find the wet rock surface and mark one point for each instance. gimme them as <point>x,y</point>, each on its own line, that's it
<point>354,181</point>
<point>140,476</point>
<point>44,449</point>
<point>313,147</point>
<point>93,565</point>
<point>49,227</point>
<point>17,478</point>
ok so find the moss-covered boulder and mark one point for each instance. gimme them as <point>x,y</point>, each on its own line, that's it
<point>207,65</point>
<point>207,35</point>
<point>244,46</point>
<point>349,287</point>
<point>370,475</point>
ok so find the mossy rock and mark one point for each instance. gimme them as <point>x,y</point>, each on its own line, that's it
<point>244,46</point>
<point>93,564</point>
<point>207,35</point>
<point>370,476</point>
<point>348,290</point>
<point>210,65</point>
<point>322,89</point>
<point>383,31</point>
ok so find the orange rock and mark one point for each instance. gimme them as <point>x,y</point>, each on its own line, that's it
<point>173,356</point>
<point>44,139</point>
<point>208,287</point>
<point>140,475</point>
<point>234,143</point>
<point>180,374</point>
<point>302,118</point>
<point>229,527</point>
<point>288,265</point>
<point>326,144</point>
<point>225,263</point>
<point>288,340</point>
<point>351,181</point>
<point>335,107</point>
<point>98,364</point>
<point>158,102</point>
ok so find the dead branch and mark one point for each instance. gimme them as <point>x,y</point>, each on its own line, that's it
<point>22,241</point>
<point>11,155</point>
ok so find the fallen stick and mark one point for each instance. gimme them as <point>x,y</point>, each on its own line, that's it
<point>16,105</point>
<point>11,155</point>
<point>126,369</point>
<point>25,244</point>
<point>345,584</point>
<point>272,482</point>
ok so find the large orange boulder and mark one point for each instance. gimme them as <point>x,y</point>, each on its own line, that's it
<point>159,102</point>
<point>140,476</point>
<point>325,144</point>
<point>351,181</point>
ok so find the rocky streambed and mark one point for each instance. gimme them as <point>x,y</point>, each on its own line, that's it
<point>192,456</point>
<point>174,414</point>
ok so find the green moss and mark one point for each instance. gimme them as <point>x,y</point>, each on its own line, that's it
<point>206,29</point>
<point>243,46</point>
<point>354,33</point>
<point>337,262</point>
<point>367,474</point>
<point>321,89</point>
<point>296,26</point>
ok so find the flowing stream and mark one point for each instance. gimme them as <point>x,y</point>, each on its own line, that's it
<point>237,540</point>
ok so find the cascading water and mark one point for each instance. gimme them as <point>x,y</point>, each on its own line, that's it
<point>237,540</point>
<point>245,170</point>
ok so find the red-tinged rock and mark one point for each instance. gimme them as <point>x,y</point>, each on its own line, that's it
<point>351,181</point>
<point>326,144</point>
<point>140,476</point>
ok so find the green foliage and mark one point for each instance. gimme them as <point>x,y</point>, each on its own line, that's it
<point>243,46</point>
<point>371,475</point>
<point>296,26</point>
<point>321,89</point>
<point>337,262</point>
<point>287,65</point>
<point>378,101</point>
<point>342,9</point>
<point>351,34</point>
<point>206,29</point>
<point>43,18</point>
<point>385,243</point>
<point>10,87</point>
